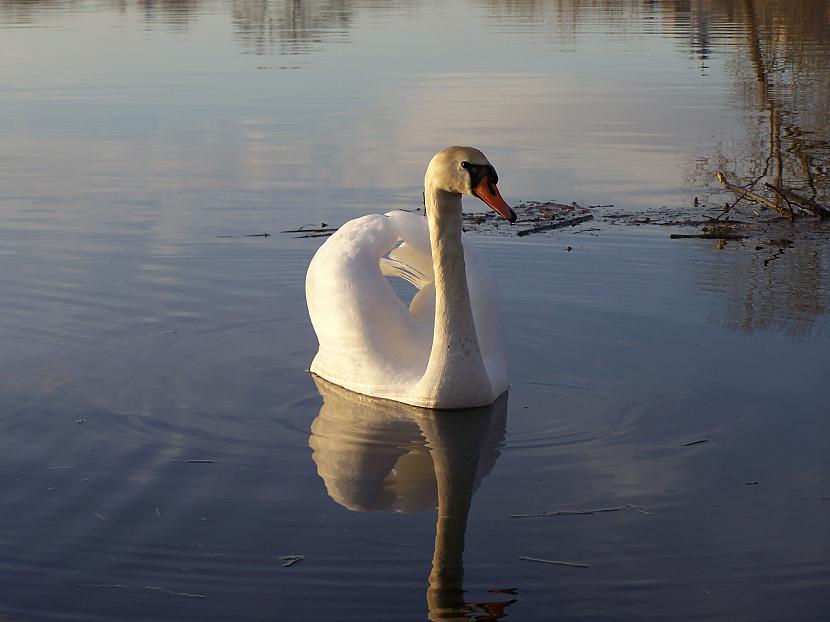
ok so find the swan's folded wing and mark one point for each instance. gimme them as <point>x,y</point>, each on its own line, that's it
<point>369,341</point>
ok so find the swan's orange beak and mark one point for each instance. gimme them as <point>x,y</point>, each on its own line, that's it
<point>487,191</point>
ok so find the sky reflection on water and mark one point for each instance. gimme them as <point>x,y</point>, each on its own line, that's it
<point>136,339</point>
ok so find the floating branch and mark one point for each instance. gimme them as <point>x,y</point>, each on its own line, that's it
<point>793,198</point>
<point>309,229</point>
<point>707,236</point>
<point>555,562</point>
<point>290,560</point>
<point>570,222</point>
<point>785,212</point>
<point>164,590</point>
<point>627,506</point>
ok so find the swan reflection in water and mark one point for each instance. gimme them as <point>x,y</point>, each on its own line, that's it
<point>376,455</point>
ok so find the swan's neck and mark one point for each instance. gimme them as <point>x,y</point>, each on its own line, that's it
<point>455,375</point>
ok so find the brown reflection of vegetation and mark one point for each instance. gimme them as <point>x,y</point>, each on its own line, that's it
<point>778,58</point>
<point>289,26</point>
<point>779,289</point>
<point>176,13</point>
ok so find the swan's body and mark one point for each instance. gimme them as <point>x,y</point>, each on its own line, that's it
<point>446,350</point>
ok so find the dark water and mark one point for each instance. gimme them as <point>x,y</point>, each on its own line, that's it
<point>161,444</point>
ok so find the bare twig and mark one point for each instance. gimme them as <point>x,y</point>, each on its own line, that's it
<point>250,235</point>
<point>627,506</point>
<point>707,236</point>
<point>786,213</point>
<point>555,562</point>
<point>803,202</point>
<point>290,560</point>
<point>568,512</point>
<point>570,222</point>
<point>164,590</point>
<point>306,229</point>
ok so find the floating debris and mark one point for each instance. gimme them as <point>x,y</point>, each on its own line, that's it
<point>697,442</point>
<point>555,562</point>
<point>290,560</point>
<point>164,590</point>
<point>568,222</point>
<point>627,506</point>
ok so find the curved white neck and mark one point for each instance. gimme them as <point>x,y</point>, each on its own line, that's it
<point>455,374</point>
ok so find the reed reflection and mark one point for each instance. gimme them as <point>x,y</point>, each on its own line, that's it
<point>289,27</point>
<point>376,455</point>
<point>779,55</point>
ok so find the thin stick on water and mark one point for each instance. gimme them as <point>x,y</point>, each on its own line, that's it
<point>568,512</point>
<point>164,590</point>
<point>570,222</point>
<point>290,560</point>
<point>707,236</point>
<point>627,506</point>
<point>555,562</point>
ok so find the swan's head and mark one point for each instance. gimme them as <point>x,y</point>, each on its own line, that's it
<point>464,170</point>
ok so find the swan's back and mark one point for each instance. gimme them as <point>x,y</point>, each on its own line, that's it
<point>370,341</point>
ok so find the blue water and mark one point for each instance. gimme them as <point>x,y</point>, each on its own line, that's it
<point>162,445</point>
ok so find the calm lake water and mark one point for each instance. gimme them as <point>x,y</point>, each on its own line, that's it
<point>162,446</point>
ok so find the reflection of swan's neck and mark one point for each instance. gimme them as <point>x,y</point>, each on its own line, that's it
<point>455,476</point>
<point>455,372</point>
<point>455,473</point>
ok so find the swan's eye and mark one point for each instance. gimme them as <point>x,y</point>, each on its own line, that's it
<point>479,172</point>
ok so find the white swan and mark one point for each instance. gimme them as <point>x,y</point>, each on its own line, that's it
<point>446,350</point>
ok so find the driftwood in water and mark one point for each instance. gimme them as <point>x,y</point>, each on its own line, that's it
<point>570,222</point>
<point>744,192</point>
<point>793,198</point>
<point>713,235</point>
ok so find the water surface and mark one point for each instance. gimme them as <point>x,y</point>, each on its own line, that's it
<point>161,443</point>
